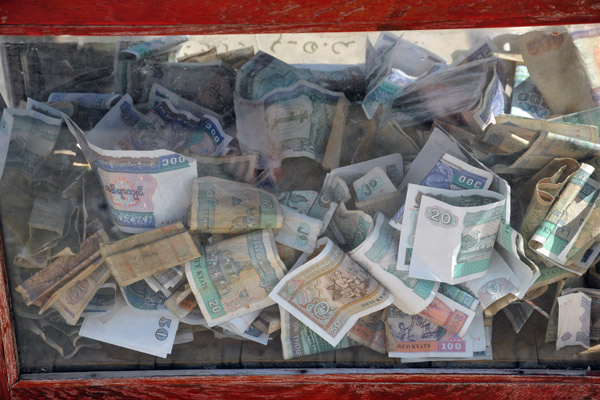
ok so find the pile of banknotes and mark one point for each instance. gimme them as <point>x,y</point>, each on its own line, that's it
<point>398,205</point>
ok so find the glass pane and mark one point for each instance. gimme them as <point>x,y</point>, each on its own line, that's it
<point>391,200</point>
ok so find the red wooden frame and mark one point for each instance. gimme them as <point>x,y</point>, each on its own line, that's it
<point>145,17</point>
<point>109,17</point>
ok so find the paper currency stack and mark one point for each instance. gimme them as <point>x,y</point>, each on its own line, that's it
<point>399,205</point>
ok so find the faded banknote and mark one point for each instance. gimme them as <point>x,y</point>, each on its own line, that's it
<point>223,206</point>
<point>558,232</point>
<point>298,231</point>
<point>235,276</point>
<point>574,315</point>
<point>296,121</point>
<point>299,340</point>
<point>45,282</point>
<point>330,292</point>
<point>137,257</point>
<point>235,168</point>
<point>378,254</point>
<point>373,184</point>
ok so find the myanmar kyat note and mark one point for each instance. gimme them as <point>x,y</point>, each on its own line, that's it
<point>556,235</point>
<point>159,93</point>
<point>541,190</point>
<point>373,184</point>
<point>587,38</point>
<point>500,281</point>
<point>102,101</point>
<point>74,301</point>
<point>234,277</point>
<point>296,121</point>
<point>369,331</point>
<point>556,68</point>
<point>151,332</point>
<point>378,255</point>
<point>350,227</point>
<point>311,203</point>
<point>450,173</point>
<point>163,127</point>
<point>391,164</point>
<point>298,231</point>
<point>144,189</point>
<point>264,73</point>
<point>416,336</point>
<point>223,206</point>
<point>62,269</point>
<point>547,146</point>
<point>139,256</point>
<point>235,168</point>
<point>298,340</point>
<point>574,317</point>
<point>414,195</point>
<point>449,314</point>
<point>26,138</point>
<point>438,144</point>
<point>462,233</point>
<point>330,292</point>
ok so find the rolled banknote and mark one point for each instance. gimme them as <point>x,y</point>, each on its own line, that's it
<point>542,190</point>
<point>373,184</point>
<point>574,313</point>
<point>233,168</point>
<point>416,336</point>
<point>139,256</point>
<point>295,121</point>
<point>298,340</point>
<point>222,206</point>
<point>45,282</point>
<point>563,223</point>
<point>555,67</point>
<point>378,254</point>
<point>298,231</point>
<point>234,277</point>
<point>330,293</point>
<point>453,174</point>
<point>462,231</point>
<point>87,100</point>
